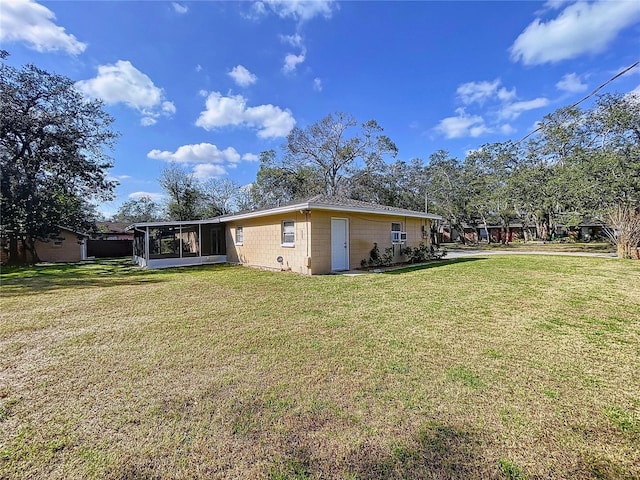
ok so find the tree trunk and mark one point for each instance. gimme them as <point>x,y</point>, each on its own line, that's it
<point>486,228</point>
<point>30,246</point>
<point>14,258</point>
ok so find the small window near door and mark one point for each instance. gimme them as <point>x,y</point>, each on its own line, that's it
<point>396,227</point>
<point>288,233</point>
<point>239,235</point>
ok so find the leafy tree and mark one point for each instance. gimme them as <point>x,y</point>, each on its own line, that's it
<point>488,172</point>
<point>595,156</point>
<point>142,209</point>
<point>52,157</point>
<point>279,182</point>
<point>448,190</point>
<point>337,147</point>
<point>399,184</point>
<point>185,195</point>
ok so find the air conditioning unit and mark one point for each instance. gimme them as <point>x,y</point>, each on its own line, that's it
<point>398,237</point>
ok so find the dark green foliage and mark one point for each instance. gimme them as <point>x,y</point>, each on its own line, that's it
<point>52,157</point>
<point>142,209</point>
<point>423,253</point>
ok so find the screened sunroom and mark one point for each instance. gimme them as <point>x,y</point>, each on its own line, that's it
<point>174,244</point>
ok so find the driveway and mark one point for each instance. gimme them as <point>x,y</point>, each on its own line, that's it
<point>461,253</point>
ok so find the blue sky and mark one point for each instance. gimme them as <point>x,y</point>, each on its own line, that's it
<point>212,84</point>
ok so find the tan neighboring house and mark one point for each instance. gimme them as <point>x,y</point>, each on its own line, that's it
<point>65,246</point>
<point>315,236</point>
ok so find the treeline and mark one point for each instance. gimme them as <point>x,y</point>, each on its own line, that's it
<point>581,164</point>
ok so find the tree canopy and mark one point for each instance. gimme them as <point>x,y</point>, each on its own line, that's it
<point>53,160</point>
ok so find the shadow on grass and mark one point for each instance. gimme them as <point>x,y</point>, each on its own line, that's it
<point>437,451</point>
<point>434,264</point>
<point>101,273</point>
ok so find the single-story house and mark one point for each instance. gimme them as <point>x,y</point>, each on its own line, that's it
<point>64,246</point>
<point>315,236</point>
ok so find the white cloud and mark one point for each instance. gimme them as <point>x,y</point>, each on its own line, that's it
<point>152,195</point>
<point>205,171</point>
<point>480,92</point>
<point>462,125</point>
<point>179,8</point>
<point>300,10</point>
<point>242,76</point>
<point>571,83</point>
<point>198,68</point>
<point>583,27</point>
<point>250,157</point>
<point>123,83</point>
<point>514,110</point>
<point>271,121</point>
<point>198,153</point>
<point>472,92</point>
<point>32,23</point>
<point>291,61</point>
<point>507,129</point>
<point>317,84</point>
<point>293,40</point>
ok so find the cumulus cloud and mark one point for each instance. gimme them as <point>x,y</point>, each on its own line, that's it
<point>270,120</point>
<point>198,153</point>
<point>156,197</point>
<point>299,10</point>
<point>571,83</point>
<point>462,125</point>
<point>242,76</point>
<point>293,40</point>
<point>513,110</point>
<point>206,171</point>
<point>479,92</point>
<point>500,106</point>
<point>29,22</point>
<point>123,83</point>
<point>179,8</point>
<point>291,62</point>
<point>581,28</point>
<point>250,157</point>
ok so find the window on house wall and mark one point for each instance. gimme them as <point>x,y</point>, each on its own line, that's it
<point>397,235</point>
<point>239,235</point>
<point>288,233</point>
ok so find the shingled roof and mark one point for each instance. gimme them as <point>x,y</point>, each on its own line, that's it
<point>326,202</point>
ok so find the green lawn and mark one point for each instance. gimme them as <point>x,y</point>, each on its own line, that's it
<point>501,367</point>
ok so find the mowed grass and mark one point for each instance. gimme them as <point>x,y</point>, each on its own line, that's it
<point>502,367</point>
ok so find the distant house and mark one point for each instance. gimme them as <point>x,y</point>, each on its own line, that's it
<point>64,246</point>
<point>316,236</point>
<point>111,240</point>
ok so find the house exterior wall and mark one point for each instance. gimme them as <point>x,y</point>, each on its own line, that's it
<point>68,251</point>
<point>363,231</point>
<point>311,252</point>
<point>262,243</point>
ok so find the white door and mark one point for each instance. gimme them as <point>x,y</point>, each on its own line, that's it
<point>339,244</point>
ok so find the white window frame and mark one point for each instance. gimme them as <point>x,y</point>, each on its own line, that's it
<point>292,233</point>
<point>239,235</point>
<point>397,235</point>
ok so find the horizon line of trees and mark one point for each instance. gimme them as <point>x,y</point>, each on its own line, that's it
<point>581,163</point>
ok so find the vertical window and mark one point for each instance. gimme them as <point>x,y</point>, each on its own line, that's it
<point>239,236</point>
<point>288,233</point>
<point>396,227</point>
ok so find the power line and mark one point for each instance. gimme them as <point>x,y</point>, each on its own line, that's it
<point>619,74</point>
